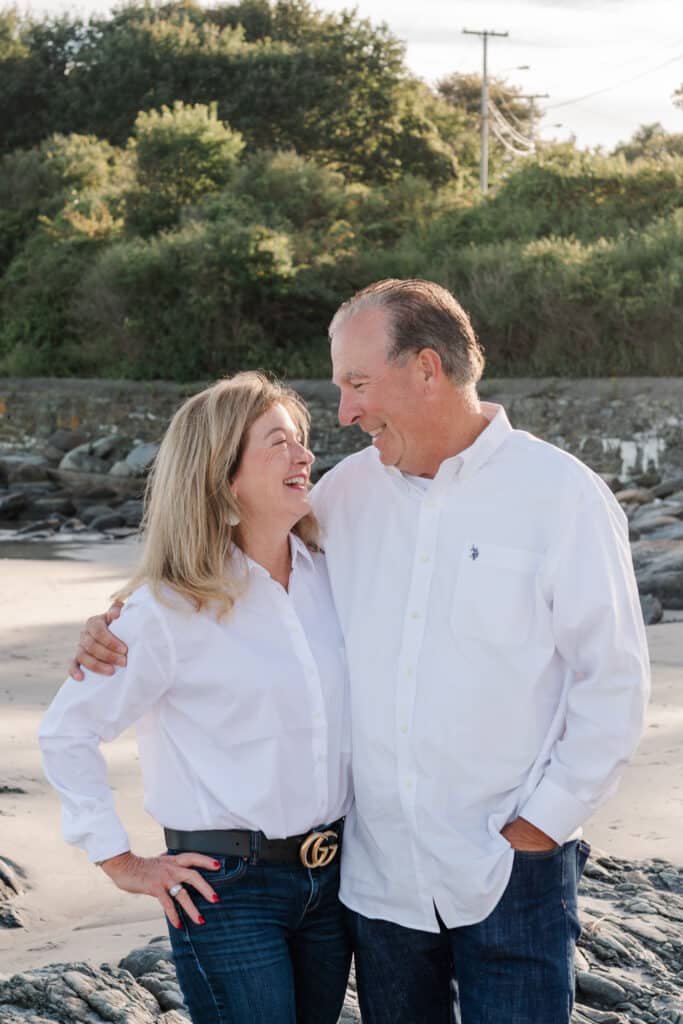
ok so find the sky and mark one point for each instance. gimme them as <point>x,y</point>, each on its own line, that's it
<point>608,65</point>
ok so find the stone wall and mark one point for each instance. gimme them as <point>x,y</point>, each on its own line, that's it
<point>622,426</point>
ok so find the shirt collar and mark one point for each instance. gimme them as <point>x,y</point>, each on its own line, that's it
<point>297,549</point>
<point>467,462</point>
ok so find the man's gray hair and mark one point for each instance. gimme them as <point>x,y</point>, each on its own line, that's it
<point>421,314</point>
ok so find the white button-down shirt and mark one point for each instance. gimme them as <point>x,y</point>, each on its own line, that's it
<point>242,721</point>
<point>497,659</point>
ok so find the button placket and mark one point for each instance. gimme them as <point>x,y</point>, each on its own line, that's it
<point>311,677</point>
<point>413,634</point>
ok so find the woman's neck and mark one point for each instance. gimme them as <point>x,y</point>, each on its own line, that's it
<point>272,552</point>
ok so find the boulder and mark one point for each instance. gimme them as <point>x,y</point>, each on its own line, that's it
<point>90,512</point>
<point>141,458</point>
<point>11,504</point>
<point>24,468</point>
<point>107,521</point>
<point>66,440</point>
<point>93,456</point>
<point>651,608</point>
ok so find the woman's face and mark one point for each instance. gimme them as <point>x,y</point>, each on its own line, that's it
<point>271,484</point>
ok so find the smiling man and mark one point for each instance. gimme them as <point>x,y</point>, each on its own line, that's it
<point>498,669</point>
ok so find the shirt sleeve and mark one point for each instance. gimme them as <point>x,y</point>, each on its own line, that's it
<point>83,714</point>
<point>599,633</point>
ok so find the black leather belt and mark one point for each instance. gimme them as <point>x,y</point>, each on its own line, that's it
<point>313,849</point>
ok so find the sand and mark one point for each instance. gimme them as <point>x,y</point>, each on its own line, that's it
<point>70,909</point>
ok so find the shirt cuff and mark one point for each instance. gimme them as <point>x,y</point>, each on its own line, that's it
<point>555,811</point>
<point>102,843</point>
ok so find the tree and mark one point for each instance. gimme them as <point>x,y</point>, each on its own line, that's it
<point>180,155</point>
<point>651,142</point>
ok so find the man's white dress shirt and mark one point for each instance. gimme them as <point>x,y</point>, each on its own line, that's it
<point>497,659</point>
<point>242,721</point>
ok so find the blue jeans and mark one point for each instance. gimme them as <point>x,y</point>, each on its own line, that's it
<point>514,967</point>
<point>275,949</point>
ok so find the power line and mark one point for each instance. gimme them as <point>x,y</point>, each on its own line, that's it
<point>617,85</point>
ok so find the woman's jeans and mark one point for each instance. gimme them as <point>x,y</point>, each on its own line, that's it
<point>274,950</point>
<point>514,967</point>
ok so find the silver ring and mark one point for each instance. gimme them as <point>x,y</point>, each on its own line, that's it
<point>174,890</point>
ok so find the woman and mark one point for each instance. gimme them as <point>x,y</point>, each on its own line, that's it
<point>236,679</point>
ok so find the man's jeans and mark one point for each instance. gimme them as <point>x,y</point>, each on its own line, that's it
<point>514,967</point>
<point>275,949</point>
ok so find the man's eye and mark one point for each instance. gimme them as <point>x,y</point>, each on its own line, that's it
<point>356,387</point>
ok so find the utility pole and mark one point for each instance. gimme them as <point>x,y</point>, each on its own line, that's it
<point>532,107</point>
<point>484,160</point>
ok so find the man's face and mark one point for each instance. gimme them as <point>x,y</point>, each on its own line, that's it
<point>384,398</point>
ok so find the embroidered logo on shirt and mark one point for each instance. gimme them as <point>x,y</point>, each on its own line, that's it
<point>474,553</point>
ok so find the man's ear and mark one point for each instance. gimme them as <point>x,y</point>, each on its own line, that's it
<point>429,366</point>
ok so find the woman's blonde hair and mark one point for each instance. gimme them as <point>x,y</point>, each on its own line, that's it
<point>189,503</point>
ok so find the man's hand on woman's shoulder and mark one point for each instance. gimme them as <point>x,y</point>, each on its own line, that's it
<point>98,649</point>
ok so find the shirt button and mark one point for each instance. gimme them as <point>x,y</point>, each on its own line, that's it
<point>430,503</point>
<point>404,729</point>
<point>424,559</point>
<point>408,783</point>
<point>409,672</point>
<point>415,615</point>
<point>316,716</point>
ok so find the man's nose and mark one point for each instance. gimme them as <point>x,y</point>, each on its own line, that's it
<point>348,410</point>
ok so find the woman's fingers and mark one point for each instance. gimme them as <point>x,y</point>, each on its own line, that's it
<point>170,910</point>
<point>185,901</point>
<point>198,882</point>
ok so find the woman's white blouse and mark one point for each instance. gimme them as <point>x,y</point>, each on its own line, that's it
<point>242,722</point>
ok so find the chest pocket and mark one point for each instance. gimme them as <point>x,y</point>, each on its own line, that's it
<point>495,594</point>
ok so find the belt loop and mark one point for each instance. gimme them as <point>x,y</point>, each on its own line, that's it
<point>255,847</point>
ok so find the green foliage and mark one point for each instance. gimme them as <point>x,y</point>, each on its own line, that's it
<point>180,155</point>
<point>651,142</point>
<point>187,191</point>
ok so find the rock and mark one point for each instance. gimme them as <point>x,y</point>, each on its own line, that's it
<point>600,988</point>
<point>66,440</point>
<point>24,468</point>
<point>121,469</point>
<point>145,958</point>
<point>635,496</point>
<point>56,503</point>
<point>91,512</point>
<point>94,456</point>
<point>107,447</point>
<point>11,505</point>
<point>108,521</point>
<point>10,888</point>
<point>651,608</point>
<point>132,512</point>
<point>43,525</point>
<point>141,458</point>
<point>659,569</point>
<point>80,992</point>
<point>668,487</point>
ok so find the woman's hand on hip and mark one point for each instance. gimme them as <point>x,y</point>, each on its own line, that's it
<point>155,876</point>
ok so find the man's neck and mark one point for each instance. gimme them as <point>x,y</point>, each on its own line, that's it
<point>457,425</point>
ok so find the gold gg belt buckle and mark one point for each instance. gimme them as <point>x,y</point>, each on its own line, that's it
<point>318,849</point>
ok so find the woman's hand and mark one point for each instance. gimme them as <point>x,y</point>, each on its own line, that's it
<point>154,876</point>
<point>98,649</point>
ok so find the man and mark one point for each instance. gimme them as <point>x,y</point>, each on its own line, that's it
<point>498,672</point>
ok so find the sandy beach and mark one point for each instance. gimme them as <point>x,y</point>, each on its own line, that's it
<point>71,911</point>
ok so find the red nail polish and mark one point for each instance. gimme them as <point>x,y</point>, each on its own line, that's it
<point>200,920</point>
<point>216,863</point>
<point>215,898</point>
<point>177,926</point>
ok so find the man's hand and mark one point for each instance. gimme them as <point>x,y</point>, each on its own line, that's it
<point>522,835</point>
<point>98,648</point>
<point>154,876</point>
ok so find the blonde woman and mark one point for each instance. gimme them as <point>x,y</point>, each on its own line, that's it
<point>236,679</point>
